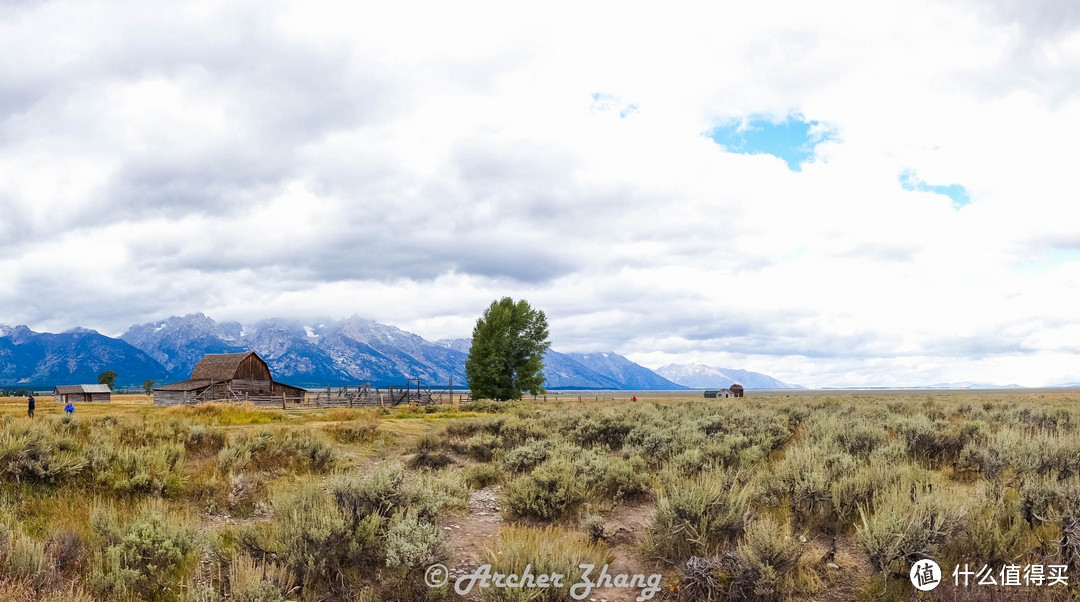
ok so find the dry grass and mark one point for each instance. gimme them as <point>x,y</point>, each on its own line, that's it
<point>816,464</point>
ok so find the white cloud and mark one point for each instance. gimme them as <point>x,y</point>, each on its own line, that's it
<point>411,162</point>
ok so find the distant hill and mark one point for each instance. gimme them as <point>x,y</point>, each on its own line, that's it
<point>604,370</point>
<point>35,360</point>
<point>312,353</point>
<point>309,354</point>
<point>338,352</point>
<point>624,371</point>
<point>968,385</point>
<point>698,376</point>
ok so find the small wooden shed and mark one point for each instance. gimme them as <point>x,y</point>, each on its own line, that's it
<point>81,393</point>
<point>732,391</point>
<point>229,377</point>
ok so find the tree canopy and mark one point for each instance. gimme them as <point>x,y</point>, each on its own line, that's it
<point>107,377</point>
<point>507,353</point>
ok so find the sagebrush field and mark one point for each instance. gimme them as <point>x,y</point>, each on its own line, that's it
<point>820,497</point>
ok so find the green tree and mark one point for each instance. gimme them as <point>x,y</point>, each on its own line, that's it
<point>148,386</point>
<point>507,353</point>
<point>107,377</point>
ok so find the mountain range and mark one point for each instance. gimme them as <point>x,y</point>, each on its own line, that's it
<point>697,376</point>
<point>314,353</point>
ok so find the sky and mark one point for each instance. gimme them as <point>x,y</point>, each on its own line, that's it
<point>832,193</point>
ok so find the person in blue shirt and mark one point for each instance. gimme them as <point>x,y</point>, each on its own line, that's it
<point>30,406</point>
<point>69,408</point>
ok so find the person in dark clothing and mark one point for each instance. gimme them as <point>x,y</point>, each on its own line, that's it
<point>30,406</point>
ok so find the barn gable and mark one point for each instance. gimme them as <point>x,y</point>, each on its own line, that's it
<point>231,366</point>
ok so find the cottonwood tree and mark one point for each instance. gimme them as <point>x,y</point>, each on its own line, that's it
<point>507,353</point>
<point>107,377</point>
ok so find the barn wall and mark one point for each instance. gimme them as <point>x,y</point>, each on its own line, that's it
<point>252,368</point>
<point>172,398</point>
<point>104,397</point>
<point>252,387</point>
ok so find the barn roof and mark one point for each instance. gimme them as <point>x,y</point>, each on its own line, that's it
<point>185,385</point>
<point>68,389</point>
<point>219,366</point>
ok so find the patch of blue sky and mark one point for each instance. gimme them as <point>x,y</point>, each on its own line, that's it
<point>792,139</point>
<point>1049,259</point>
<point>957,193</point>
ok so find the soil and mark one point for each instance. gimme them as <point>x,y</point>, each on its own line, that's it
<point>477,530</point>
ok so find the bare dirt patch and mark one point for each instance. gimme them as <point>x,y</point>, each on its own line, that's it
<point>474,531</point>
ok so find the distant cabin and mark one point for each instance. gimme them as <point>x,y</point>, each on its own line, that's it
<point>732,391</point>
<point>235,377</point>
<point>81,393</point>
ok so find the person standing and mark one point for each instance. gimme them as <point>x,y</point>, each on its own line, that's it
<point>69,408</point>
<point>30,406</point>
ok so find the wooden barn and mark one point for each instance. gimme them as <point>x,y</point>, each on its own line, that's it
<point>235,377</point>
<point>735,390</point>
<point>81,393</point>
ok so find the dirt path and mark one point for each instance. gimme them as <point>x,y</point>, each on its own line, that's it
<point>473,532</point>
<point>624,527</point>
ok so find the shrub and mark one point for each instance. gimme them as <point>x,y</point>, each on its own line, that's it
<point>860,438</point>
<point>548,550</point>
<point>227,413</point>
<point>360,430</point>
<point>269,451</point>
<point>902,530</point>
<point>616,478</point>
<point>245,492</point>
<point>153,471</point>
<point>528,455</point>
<point>771,564</point>
<point>251,580</point>
<point>148,557</point>
<point>482,446</point>
<point>850,492</point>
<point>593,526</point>
<point>336,542</point>
<point>607,430</point>
<point>413,543</point>
<point>478,476</point>
<point>428,454</point>
<point>323,544</point>
<point>552,491</point>
<point>803,478</point>
<point>25,559</point>
<point>993,533</point>
<point>33,453</point>
<point>67,550</point>
<point>695,516</point>
<point>204,441</point>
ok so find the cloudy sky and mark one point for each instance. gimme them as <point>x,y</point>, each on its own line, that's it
<point>836,194</point>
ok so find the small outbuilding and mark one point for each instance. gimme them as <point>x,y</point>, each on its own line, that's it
<point>229,377</point>
<point>732,391</point>
<point>81,393</point>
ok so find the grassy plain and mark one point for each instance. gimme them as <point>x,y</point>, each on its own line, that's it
<point>821,496</point>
